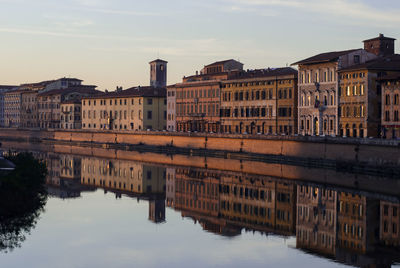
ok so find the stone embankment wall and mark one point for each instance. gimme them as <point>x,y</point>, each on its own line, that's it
<point>330,150</point>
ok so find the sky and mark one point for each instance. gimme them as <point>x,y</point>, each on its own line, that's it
<point>109,43</point>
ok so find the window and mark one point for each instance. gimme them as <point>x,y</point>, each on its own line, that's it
<point>149,101</point>
<point>361,90</point>
<point>149,115</point>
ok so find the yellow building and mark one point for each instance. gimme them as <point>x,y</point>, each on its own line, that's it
<point>390,117</point>
<point>360,96</point>
<point>138,108</point>
<point>260,101</point>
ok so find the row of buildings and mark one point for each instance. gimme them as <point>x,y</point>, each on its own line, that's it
<point>351,93</point>
<point>339,224</point>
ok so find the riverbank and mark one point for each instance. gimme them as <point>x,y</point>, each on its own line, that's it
<point>368,156</point>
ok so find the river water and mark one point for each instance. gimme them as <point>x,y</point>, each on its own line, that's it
<point>106,210</point>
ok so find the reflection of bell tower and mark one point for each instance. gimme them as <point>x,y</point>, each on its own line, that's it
<point>158,73</point>
<point>157,210</point>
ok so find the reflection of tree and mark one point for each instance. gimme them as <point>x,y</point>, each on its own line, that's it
<point>22,198</point>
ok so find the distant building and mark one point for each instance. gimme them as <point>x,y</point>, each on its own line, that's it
<point>260,101</point>
<point>133,109</point>
<point>360,96</point>
<point>62,83</point>
<point>49,103</point>
<point>29,109</point>
<point>391,106</point>
<point>3,89</point>
<point>12,108</point>
<point>380,46</point>
<point>158,73</point>
<point>222,66</point>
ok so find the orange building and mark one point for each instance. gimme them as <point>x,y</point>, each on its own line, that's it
<point>390,117</point>
<point>198,97</point>
<point>360,96</point>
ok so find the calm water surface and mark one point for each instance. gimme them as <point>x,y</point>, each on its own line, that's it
<point>120,213</point>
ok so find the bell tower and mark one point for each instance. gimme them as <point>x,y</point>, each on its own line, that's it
<point>380,46</point>
<point>158,73</point>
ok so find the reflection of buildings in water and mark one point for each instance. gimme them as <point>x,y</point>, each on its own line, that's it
<point>157,210</point>
<point>170,187</point>
<point>53,169</point>
<point>389,223</point>
<point>63,174</point>
<point>122,175</point>
<point>131,178</point>
<point>197,191</point>
<point>316,219</point>
<point>70,166</point>
<point>357,223</point>
<point>259,203</point>
<point>226,203</point>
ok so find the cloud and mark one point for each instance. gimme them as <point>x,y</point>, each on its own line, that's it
<point>355,10</point>
<point>120,12</point>
<point>56,33</point>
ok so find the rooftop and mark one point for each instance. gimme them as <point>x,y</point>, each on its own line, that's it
<point>380,37</point>
<point>132,92</point>
<point>269,72</point>
<point>219,62</point>
<point>388,63</point>
<point>159,60</point>
<point>80,89</point>
<point>391,77</point>
<point>7,87</point>
<point>325,57</point>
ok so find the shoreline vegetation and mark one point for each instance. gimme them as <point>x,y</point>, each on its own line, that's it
<point>23,196</point>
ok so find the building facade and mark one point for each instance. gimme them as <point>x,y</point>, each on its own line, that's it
<point>260,101</point>
<point>71,114</point>
<point>134,109</point>
<point>360,96</point>
<point>391,106</point>
<point>318,90</point>
<point>3,89</point>
<point>171,108</point>
<point>12,108</point>
<point>29,109</point>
